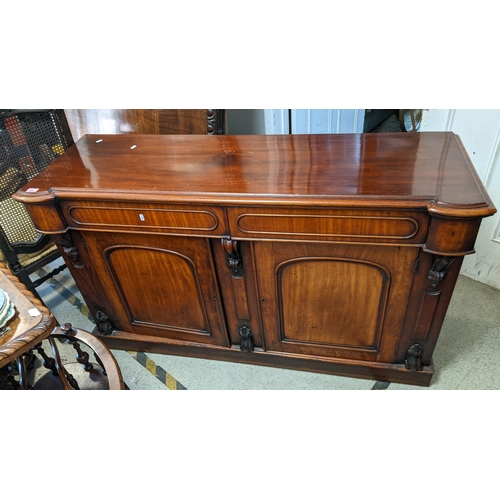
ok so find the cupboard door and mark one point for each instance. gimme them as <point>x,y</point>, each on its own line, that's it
<point>345,301</point>
<point>160,285</point>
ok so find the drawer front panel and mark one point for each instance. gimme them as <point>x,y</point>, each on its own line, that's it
<point>395,227</point>
<point>197,220</point>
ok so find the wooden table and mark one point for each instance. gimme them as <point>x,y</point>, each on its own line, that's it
<point>334,253</point>
<point>32,323</point>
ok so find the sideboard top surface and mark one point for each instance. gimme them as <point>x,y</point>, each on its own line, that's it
<point>423,170</point>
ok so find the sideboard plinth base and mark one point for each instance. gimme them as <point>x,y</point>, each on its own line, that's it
<point>381,372</point>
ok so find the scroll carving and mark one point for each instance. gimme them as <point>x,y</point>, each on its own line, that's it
<point>234,260</point>
<point>70,251</point>
<point>438,270</point>
<point>246,341</point>
<point>429,300</point>
<point>74,256</point>
<point>215,121</point>
<point>413,359</point>
<point>211,121</point>
<point>103,324</point>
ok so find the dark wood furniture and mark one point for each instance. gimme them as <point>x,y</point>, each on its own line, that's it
<point>32,324</point>
<point>26,330</point>
<point>30,139</point>
<point>329,253</point>
<point>145,121</point>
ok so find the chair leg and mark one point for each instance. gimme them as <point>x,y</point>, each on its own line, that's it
<point>14,264</point>
<point>22,275</point>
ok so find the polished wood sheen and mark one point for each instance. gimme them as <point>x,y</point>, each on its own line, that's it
<point>144,121</point>
<point>331,253</point>
<point>328,225</point>
<point>339,300</point>
<point>146,218</point>
<point>159,285</point>
<point>361,170</point>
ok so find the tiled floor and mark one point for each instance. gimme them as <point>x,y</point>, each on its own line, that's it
<point>467,355</point>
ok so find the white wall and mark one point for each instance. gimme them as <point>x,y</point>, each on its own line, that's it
<point>327,121</point>
<point>479,130</point>
<point>296,121</point>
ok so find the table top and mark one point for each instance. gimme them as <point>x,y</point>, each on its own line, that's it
<point>429,170</point>
<point>31,324</point>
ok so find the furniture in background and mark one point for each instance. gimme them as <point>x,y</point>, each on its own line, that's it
<point>29,141</point>
<point>331,253</point>
<point>31,325</point>
<point>374,117</point>
<point>410,119</point>
<point>145,121</point>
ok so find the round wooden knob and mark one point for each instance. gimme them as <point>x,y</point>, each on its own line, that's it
<point>67,329</point>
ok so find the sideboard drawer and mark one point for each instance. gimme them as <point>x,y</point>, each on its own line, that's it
<point>128,217</point>
<point>386,226</point>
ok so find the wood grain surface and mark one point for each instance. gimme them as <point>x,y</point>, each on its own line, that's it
<point>429,170</point>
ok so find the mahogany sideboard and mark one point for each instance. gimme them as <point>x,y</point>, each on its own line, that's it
<point>329,253</point>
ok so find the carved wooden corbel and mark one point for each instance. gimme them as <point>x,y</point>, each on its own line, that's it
<point>234,260</point>
<point>438,270</point>
<point>211,121</point>
<point>246,341</point>
<point>413,359</point>
<point>215,121</point>
<point>74,256</point>
<point>70,250</point>
<point>103,323</point>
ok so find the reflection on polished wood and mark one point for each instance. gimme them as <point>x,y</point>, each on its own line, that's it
<point>144,121</point>
<point>428,170</point>
<point>331,253</point>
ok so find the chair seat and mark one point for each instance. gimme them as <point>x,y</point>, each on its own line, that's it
<point>29,141</point>
<point>26,259</point>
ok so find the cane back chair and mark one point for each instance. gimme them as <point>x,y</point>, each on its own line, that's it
<point>29,141</point>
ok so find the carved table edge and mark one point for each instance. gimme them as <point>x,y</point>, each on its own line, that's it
<point>35,335</point>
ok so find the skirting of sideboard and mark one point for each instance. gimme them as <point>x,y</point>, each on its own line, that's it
<point>384,372</point>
